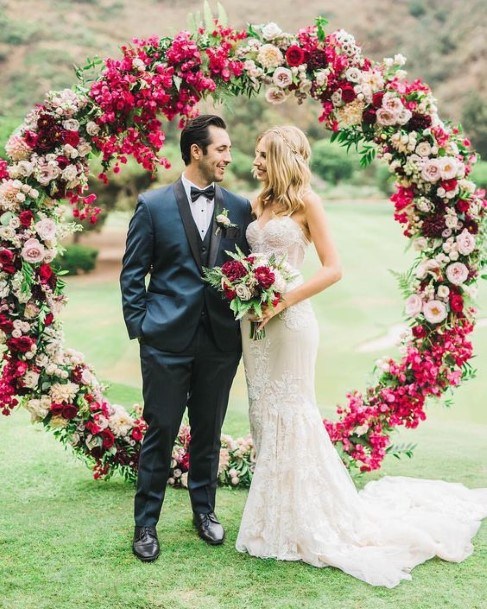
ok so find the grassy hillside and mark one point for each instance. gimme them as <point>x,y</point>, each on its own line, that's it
<point>41,39</point>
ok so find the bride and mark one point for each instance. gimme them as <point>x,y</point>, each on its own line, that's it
<point>302,503</point>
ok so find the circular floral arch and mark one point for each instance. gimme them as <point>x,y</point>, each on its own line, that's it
<point>121,113</point>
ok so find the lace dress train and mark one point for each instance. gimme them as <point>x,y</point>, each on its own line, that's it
<point>303,504</point>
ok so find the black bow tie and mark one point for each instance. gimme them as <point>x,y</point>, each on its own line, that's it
<point>208,192</point>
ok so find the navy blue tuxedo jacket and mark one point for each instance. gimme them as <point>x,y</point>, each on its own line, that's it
<point>163,243</point>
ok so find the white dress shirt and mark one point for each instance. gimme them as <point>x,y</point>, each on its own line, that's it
<point>201,209</point>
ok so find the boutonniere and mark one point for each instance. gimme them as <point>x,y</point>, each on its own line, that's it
<point>224,223</point>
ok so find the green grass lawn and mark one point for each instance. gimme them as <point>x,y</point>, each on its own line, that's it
<point>65,539</point>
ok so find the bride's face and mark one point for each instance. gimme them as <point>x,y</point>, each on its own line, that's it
<point>259,164</point>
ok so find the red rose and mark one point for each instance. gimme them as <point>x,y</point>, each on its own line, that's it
<point>48,319</point>
<point>233,269</point>
<point>449,184</point>
<point>108,438</point>
<point>71,138</point>
<point>456,302</point>
<point>56,409</point>
<point>6,261</point>
<point>45,273</point>
<point>348,94</point>
<point>264,276</point>
<point>30,138</point>
<point>462,206</point>
<point>21,344</point>
<point>229,294</point>
<point>377,99</point>
<point>137,434</point>
<point>419,331</point>
<point>295,56</point>
<point>6,256</point>
<point>26,218</point>
<point>69,411</point>
<point>5,323</point>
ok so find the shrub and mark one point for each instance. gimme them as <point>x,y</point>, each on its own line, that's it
<point>332,163</point>
<point>479,174</point>
<point>77,258</point>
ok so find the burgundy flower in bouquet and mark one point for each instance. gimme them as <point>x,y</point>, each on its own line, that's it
<point>250,283</point>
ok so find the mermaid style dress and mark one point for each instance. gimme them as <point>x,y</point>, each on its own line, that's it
<point>303,504</point>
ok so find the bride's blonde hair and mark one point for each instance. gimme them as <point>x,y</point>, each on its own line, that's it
<point>288,173</point>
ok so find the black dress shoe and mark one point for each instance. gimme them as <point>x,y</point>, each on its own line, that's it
<point>209,529</point>
<point>146,544</point>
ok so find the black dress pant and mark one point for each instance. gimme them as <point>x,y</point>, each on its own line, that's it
<point>200,378</point>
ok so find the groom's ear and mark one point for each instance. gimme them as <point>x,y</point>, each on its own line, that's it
<point>195,152</point>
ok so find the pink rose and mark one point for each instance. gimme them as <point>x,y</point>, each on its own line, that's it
<point>431,171</point>
<point>414,304</point>
<point>386,117</point>
<point>465,243</point>
<point>457,273</point>
<point>33,251</point>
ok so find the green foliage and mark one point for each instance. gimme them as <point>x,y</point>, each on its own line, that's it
<point>17,32</point>
<point>7,126</point>
<point>77,258</point>
<point>242,166</point>
<point>331,162</point>
<point>474,120</point>
<point>479,174</point>
<point>417,8</point>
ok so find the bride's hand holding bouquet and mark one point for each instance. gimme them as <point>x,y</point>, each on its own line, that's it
<point>253,284</point>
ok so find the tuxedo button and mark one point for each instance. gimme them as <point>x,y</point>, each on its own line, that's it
<point>203,249</point>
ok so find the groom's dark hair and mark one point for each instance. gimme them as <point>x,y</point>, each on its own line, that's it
<point>196,132</point>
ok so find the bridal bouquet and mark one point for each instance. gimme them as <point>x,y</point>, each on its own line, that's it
<point>250,283</point>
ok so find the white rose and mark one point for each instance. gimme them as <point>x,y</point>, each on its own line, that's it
<point>423,149</point>
<point>434,311</point>
<point>443,291</point>
<point>270,31</point>
<point>431,171</point>
<point>92,128</point>
<point>243,292</point>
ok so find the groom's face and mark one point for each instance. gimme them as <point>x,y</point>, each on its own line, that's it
<point>212,164</point>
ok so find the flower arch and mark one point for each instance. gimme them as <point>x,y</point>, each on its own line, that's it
<point>121,113</point>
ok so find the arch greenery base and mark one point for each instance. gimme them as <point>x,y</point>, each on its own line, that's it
<point>122,112</point>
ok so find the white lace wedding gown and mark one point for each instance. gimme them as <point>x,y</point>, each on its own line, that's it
<point>303,504</point>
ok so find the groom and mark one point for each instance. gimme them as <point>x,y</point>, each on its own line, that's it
<point>190,344</point>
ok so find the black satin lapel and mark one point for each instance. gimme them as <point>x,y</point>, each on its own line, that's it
<point>188,222</point>
<point>216,234</point>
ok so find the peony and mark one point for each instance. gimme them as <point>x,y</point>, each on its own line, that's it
<point>270,31</point>
<point>457,273</point>
<point>434,311</point>
<point>413,305</point>
<point>63,392</point>
<point>275,95</point>
<point>392,102</point>
<point>465,243</point>
<point>282,77</point>
<point>17,148</point>
<point>120,422</point>
<point>270,56</point>
<point>33,251</point>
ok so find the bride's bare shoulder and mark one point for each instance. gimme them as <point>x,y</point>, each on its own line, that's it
<point>312,200</point>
